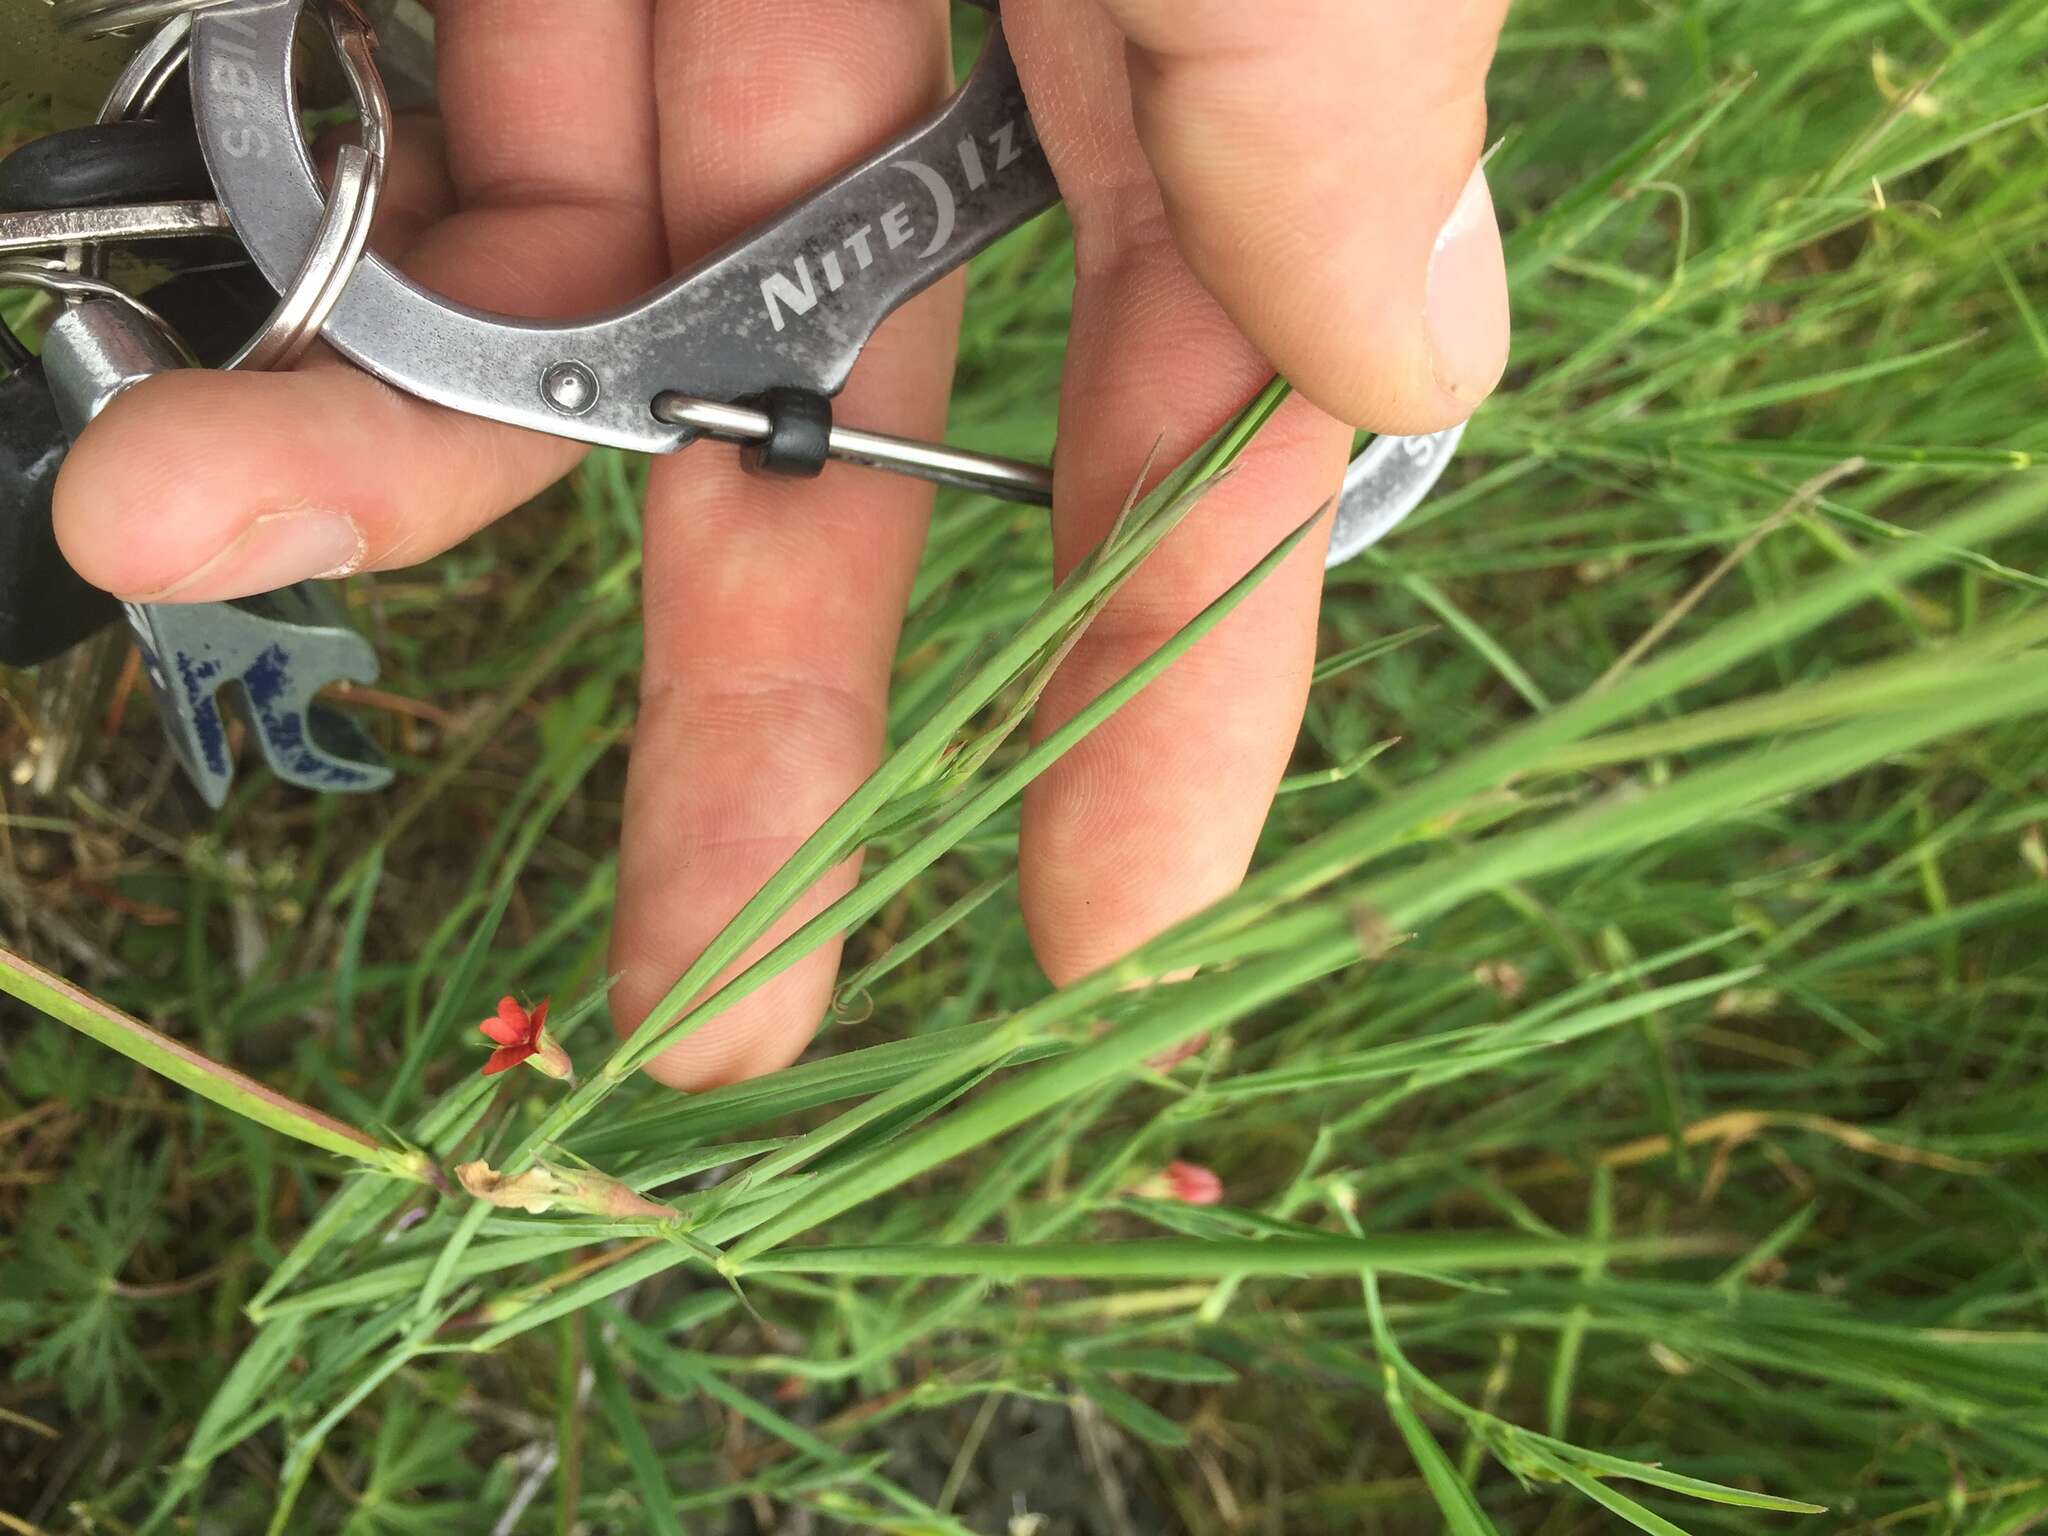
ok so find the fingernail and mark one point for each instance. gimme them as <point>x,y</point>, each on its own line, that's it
<point>1468,297</point>
<point>274,551</point>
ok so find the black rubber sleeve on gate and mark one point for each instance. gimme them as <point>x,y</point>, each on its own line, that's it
<point>799,434</point>
<point>106,164</point>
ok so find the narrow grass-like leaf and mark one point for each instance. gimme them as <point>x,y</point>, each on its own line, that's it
<point>657,1501</point>
<point>1216,1258</point>
<point>1571,1339</point>
<point>1331,667</point>
<point>976,807</point>
<point>348,962</point>
<point>1162,1365</point>
<point>1194,1009</point>
<point>379,1283</point>
<point>306,1446</point>
<point>593,1287</point>
<point>684,1120</point>
<point>1660,1477</point>
<point>1380,826</point>
<point>841,831</point>
<point>682,1371</point>
<point>914,944</point>
<point>1134,1414</point>
<point>1452,1493</point>
<point>234,1413</point>
<point>1614,1502</point>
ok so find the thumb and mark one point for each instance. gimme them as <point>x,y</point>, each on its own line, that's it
<point>1320,165</point>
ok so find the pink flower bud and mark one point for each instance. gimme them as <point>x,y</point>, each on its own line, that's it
<point>1192,1184</point>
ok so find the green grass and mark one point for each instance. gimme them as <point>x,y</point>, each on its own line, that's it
<point>1628,1084</point>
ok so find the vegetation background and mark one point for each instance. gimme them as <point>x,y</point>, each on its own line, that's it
<point>1625,1070</point>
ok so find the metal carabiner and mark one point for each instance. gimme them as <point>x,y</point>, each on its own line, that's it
<point>788,306</point>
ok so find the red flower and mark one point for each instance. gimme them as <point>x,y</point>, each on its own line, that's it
<point>1192,1184</point>
<point>522,1036</point>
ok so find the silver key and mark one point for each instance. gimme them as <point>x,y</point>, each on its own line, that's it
<point>26,233</point>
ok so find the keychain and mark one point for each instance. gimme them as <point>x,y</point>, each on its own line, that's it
<point>748,347</point>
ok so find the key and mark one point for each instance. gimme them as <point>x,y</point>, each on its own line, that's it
<point>45,606</point>
<point>276,651</point>
<point>106,163</point>
<point>79,188</point>
<point>279,650</point>
<point>28,231</point>
<point>110,184</point>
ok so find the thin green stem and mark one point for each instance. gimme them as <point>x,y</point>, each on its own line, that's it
<point>181,1064</point>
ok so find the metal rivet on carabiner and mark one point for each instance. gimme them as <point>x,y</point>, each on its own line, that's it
<point>570,388</point>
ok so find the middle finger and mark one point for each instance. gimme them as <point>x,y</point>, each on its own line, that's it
<point>772,606</point>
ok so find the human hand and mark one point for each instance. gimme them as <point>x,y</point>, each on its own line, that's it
<point>1293,181</point>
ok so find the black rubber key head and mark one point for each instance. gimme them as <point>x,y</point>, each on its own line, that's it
<point>45,606</point>
<point>106,164</point>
